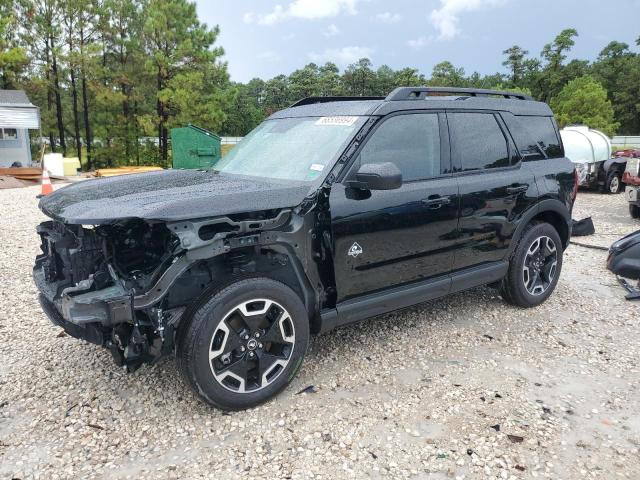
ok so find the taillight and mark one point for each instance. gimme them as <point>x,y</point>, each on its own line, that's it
<point>574,193</point>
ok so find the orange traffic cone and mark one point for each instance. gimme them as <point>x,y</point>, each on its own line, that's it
<point>47,188</point>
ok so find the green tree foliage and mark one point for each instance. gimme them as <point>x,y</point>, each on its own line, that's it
<point>13,58</point>
<point>618,69</point>
<point>444,74</point>
<point>584,101</point>
<point>189,77</point>
<point>515,62</point>
<point>553,75</point>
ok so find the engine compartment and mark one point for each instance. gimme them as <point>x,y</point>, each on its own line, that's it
<point>132,253</point>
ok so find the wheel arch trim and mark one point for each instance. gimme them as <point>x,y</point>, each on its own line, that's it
<point>550,207</point>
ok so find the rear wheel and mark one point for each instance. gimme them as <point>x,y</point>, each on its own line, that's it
<point>244,344</point>
<point>534,268</point>
<point>634,210</point>
<point>614,182</point>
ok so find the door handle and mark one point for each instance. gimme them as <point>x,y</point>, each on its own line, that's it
<point>517,188</point>
<point>436,201</point>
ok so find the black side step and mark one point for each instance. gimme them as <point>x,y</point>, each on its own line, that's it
<point>397,298</point>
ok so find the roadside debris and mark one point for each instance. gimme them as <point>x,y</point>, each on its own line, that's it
<point>515,438</point>
<point>309,389</point>
<point>582,228</point>
<point>68,412</point>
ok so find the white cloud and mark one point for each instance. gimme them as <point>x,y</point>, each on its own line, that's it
<point>447,17</point>
<point>341,56</point>
<point>419,42</point>
<point>388,17</point>
<point>304,9</point>
<point>331,31</point>
<point>249,17</point>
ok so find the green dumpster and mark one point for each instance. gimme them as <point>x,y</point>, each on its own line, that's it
<point>194,147</point>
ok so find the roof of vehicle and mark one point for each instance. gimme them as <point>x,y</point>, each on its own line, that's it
<point>417,98</point>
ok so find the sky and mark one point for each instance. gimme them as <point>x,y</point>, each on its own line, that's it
<point>264,38</point>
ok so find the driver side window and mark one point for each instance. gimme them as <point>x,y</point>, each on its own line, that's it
<point>411,142</point>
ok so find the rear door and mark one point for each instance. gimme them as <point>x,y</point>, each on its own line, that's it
<point>495,186</point>
<point>389,238</point>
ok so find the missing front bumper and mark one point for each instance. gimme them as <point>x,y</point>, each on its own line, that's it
<point>107,307</point>
<point>90,333</point>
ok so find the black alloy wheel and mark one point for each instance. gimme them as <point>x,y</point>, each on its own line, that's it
<point>540,263</point>
<point>252,345</point>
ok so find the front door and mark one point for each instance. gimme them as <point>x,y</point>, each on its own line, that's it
<point>388,238</point>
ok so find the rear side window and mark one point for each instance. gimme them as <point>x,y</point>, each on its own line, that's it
<point>534,135</point>
<point>411,142</point>
<point>477,141</point>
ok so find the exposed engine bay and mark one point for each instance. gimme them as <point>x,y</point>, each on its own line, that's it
<point>89,278</point>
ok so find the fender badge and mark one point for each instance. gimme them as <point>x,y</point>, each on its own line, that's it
<point>355,250</point>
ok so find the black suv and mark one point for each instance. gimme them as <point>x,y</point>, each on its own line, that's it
<point>329,212</point>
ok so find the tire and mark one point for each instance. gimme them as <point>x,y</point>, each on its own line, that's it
<point>243,343</point>
<point>518,287</point>
<point>613,183</point>
<point>634,210</point>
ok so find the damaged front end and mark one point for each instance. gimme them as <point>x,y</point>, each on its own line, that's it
<point>95,281</point>
<point>125,285</point>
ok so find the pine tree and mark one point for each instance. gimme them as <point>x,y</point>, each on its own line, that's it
<point>190,81</point>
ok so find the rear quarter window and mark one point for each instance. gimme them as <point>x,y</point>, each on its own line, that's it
<point>534,135</point>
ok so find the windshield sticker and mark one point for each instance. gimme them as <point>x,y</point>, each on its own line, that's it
<point>341,121</point>
<point>316,167</point>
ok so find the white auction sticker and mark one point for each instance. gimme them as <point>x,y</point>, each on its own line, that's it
<point>316,167</point>
<point>340,120</point>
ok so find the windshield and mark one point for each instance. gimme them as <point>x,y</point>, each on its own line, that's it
<point>291,148</point>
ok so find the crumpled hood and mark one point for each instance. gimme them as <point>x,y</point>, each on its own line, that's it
<point>168,195</point>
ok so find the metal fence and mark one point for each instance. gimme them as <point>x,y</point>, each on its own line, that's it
<point>629,141</point>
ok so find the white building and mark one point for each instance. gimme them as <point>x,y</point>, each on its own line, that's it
<point>17,117</point>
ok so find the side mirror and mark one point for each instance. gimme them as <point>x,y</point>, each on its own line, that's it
<point>378,176</point>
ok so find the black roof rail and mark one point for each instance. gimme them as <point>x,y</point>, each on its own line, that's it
<point>312,100</point>
<point>420,93</point>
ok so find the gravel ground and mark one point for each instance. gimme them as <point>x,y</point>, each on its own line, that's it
<point>465,387</point>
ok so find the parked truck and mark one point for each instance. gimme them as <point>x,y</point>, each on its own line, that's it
<point>590,151</point>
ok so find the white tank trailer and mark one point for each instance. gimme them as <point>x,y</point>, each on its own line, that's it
<point>590,151</point>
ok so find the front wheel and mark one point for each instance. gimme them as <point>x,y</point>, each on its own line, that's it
<point>634,210</point>
<point>244,344</point>
<point>534,268</point>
